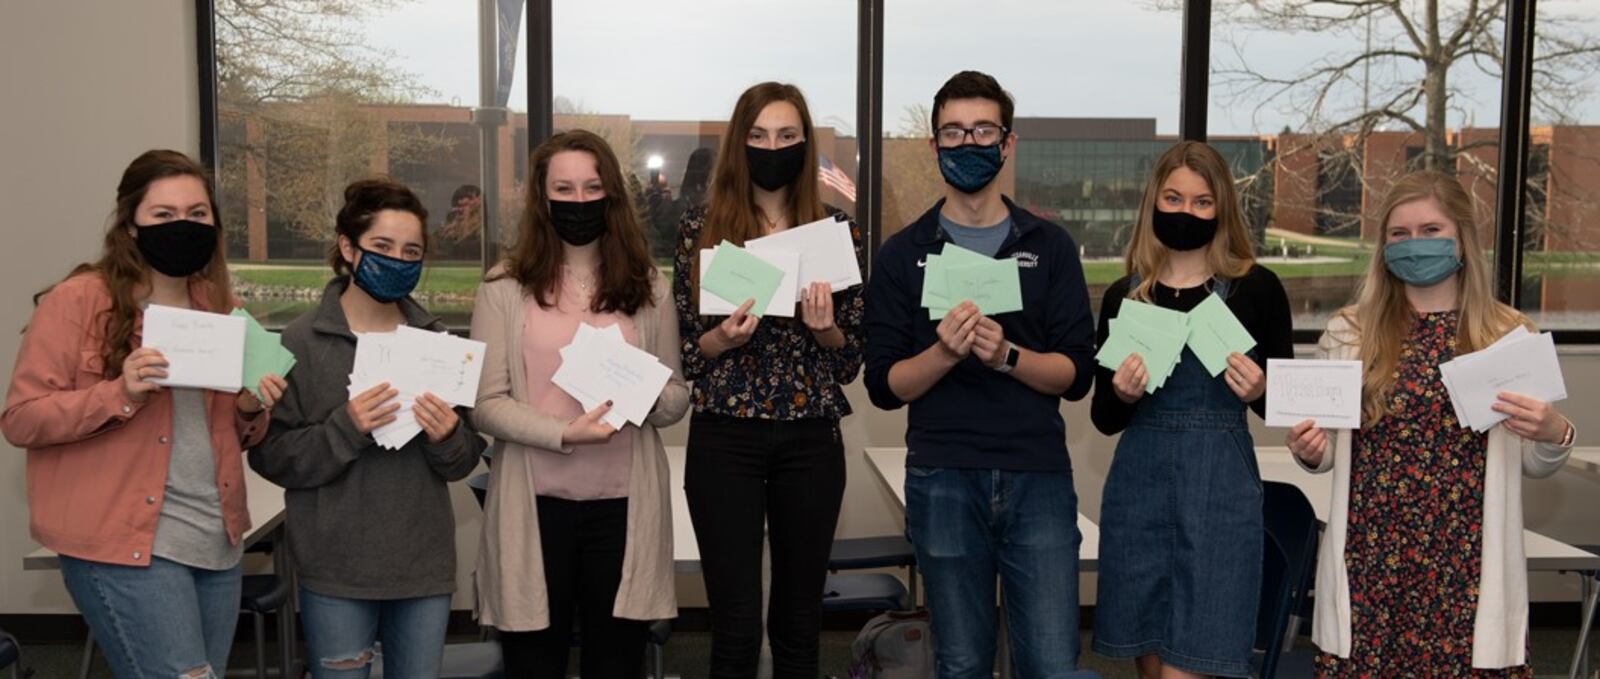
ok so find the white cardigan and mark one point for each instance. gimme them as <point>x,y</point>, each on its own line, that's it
<point>1500,630</point>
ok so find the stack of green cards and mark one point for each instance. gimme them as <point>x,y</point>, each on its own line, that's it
<point>958,275</point>
<point>1156,334</point>
<point>1215,333</point>
<point>264,353</point>
<point>735,275</point>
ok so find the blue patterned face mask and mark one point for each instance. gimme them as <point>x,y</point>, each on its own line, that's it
<point>1422,262</point>
<point>970,167</point>
<point>385,278</point>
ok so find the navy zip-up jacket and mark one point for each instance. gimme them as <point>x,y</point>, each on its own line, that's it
<point>975,417</point>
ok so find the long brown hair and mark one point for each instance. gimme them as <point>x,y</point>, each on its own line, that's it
<point>1382,314</point>
<point>124,270</point>
<point>1229,253</point>
<point>731,211</point>
<point>626,270</point>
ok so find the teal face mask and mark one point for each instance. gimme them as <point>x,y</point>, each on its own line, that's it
<point>1422,262</point>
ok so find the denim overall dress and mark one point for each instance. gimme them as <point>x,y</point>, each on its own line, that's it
<point>1181,528</point>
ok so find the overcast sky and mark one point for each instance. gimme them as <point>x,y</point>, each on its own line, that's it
<point>689,59</point>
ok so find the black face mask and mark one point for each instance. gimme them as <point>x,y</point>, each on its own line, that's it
<point>178,248</point>
<point>773,169</point>
<point>1182,231</point>
<point>578,223</point>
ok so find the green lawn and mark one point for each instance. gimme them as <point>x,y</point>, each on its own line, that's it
<point>462,279</point>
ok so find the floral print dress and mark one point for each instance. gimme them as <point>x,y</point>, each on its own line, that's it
<point>1415,538</point>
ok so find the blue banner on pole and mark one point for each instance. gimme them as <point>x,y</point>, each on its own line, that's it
<point>507,18</point>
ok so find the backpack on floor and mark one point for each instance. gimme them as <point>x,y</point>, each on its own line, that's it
<point>894,645</point>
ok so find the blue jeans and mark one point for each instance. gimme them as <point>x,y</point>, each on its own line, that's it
<point>969,525</point>
<point>341,633</point>
<point>159,621</point>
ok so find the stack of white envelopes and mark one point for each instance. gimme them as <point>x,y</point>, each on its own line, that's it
<point>600,365</point>
<point>1521,362</point>
<point>414,362</point>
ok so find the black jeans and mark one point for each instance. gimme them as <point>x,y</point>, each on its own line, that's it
<point>745,474</point>
<point>583,543</point>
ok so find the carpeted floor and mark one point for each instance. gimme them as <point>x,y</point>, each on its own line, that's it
<point>689,652</point>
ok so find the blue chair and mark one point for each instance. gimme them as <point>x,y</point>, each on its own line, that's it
<point>853,592</point>
<point>11,655</point>
<point>885,551</point>
<point>258,596</point>
<point>1289,562</point>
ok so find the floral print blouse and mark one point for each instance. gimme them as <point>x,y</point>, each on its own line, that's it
<point>782,373</point>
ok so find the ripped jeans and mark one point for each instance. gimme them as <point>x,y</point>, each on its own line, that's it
<point>161,621</point>
<point>343,635</point>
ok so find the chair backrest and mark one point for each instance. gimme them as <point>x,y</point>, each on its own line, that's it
<point>1289,555</point>
<point>480,488</point>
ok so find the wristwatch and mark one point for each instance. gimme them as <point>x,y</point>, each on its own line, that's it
<point>1010,363</point>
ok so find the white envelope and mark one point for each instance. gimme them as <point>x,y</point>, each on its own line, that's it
<point>827,252</point>
<point>783,300</point>
<point>1526,365</point>
<point>203,350</point>
<point>1328,392</point>
<point>599,365</point>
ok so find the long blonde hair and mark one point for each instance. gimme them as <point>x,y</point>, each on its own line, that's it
<point>1382,316</point>
<point>1229,253</point>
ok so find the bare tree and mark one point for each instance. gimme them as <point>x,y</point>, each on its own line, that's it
<point>1401,72</point>
<point>295,84</point>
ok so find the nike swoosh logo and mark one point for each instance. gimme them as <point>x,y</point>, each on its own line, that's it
<point>922,263</point>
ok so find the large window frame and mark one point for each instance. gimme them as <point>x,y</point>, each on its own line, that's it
<point>1513,146</point>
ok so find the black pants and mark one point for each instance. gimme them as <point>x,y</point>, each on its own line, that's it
<point>583,543</point>
<point>745,474</point>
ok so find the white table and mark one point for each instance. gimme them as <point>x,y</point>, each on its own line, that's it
<point>890,467</point>
<point>685,548</point>
<point>1585,461</point>
<point>1543,554</point>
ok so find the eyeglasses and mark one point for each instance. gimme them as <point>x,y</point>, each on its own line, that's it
<point>985,134</point>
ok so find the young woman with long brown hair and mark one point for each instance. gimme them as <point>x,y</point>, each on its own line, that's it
<point>139,487</point>
<point>1180,545</point>
<point>1421,566</point>
<point>578,524</point>
<point>764,451</point>
<point>370,530</point>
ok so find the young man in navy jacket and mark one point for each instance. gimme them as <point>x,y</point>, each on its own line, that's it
<point>988,481</point>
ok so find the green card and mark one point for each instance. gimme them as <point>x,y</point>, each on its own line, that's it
<point>1215,333</point>
<point>993,285</point>
<point>1154,316</point>
<point>935,279</point>
<point>264,353</point>
<point>1160,349</point>
<point>736,275</point>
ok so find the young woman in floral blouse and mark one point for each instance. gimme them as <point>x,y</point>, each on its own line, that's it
<point>764,452</point>
<point>1422,560</point>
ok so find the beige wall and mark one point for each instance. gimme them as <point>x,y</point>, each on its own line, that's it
<point>93,83</point>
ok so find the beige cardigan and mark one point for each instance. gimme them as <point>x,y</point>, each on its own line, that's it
<point>509,581</point>
<point>1500,630</point>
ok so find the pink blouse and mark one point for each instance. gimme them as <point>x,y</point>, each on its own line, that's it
<point>592,471</point>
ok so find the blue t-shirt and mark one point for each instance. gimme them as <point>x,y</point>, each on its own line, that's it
<point>984,240</point>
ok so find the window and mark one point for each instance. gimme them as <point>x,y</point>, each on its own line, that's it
<point>1338,95</point>
<point>312,95</point>
<point>1096,90</point>
<point>659,81</point>
<point>1561,243</point>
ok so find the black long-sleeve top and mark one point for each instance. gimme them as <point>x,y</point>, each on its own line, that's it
<point>1257,299</point>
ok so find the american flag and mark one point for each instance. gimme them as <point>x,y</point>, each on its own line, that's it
<point>835,178</point>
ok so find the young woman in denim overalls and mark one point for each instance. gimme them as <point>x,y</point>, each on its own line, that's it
<point>1180,519</point>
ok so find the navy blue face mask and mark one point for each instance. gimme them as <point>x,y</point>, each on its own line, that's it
<point>970,167</point>
<point>385,278</point>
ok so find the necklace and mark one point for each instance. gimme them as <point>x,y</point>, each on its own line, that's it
<point>1206,285</point>
<point>584,282</point>
<point>771,224</point>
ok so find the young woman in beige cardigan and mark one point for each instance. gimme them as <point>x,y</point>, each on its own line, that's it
<point>1421,570</point>
<point>577,527</point>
